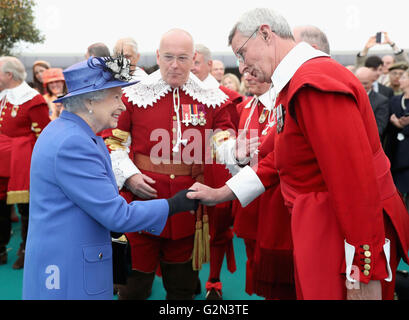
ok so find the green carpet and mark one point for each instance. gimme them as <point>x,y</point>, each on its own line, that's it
<point>11,281</point>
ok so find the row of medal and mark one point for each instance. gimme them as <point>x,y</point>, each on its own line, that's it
<point>193,114</point>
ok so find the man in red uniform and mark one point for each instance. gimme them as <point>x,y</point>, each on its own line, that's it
<point>23,115</point>
<point>220,216</point>
<point>269,254</point>
<point>333,173</point>
<point>158,148</point>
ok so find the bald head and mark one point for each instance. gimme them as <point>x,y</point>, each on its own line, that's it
<point>312,35</point>
<point>175,56</point>
<point>180,37</point>
<point>366,77</point>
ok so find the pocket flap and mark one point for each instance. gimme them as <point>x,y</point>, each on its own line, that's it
<point>97,253</point>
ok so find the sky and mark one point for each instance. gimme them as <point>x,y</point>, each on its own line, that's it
<point>70,26</point>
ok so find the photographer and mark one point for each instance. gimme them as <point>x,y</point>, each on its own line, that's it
<point>381,38</point>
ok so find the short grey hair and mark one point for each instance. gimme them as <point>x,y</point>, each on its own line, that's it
<point>98,49</point>
<point>251,20</point>
<point>125,42</point>
<point>15,67</point>
<point>314,35</point>
<point>76,104</point>
<point>204,51</point>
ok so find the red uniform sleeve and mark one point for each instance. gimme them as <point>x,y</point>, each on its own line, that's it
<point>335,129</point>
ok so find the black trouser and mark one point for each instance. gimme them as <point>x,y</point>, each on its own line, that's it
<point>5,223</point>
<point>179,280</point>
<point>23,210</point>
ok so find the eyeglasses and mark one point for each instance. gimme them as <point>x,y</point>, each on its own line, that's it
<point>181,59</point>
<point>240,55</point>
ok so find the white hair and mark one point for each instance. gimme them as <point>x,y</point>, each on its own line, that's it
<point>314,35</point>
<point>251,20</point>
<point>15,67</point>
<point>125,42</point>
<point>204,51</point>
<point>76,104</point>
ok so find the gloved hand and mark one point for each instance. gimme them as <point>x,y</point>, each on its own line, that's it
<point>179,203</point>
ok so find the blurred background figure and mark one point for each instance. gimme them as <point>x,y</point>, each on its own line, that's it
<point>54,83</point>
<point>24,114</point>
<point>39,67</point>
<point>218,70</point>
<point>312,35</point>
<point>399,55</point>
<point>399,142</point>
<point>379,103</point>
<point>97,49</point>
<point>245,87</point>
<point>231,81</point>
<point>129,48</point>
<point>375,63</point>
<point>351,68</point>
<point>396,71</point>
<point>388,61</point>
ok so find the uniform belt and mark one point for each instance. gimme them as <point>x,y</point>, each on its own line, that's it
<point>157,165</point>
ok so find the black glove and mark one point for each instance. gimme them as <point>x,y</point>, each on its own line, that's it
<point>179,203</point>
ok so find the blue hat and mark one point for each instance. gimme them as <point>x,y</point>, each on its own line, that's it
<point>96,74</point>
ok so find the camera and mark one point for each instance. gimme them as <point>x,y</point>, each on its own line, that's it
<point>379,37</point>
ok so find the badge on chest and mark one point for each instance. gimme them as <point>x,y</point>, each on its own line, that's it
<point>280,114</point>
<point>194,114</point>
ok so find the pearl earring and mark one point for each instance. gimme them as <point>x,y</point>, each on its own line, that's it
<point>90,111</point>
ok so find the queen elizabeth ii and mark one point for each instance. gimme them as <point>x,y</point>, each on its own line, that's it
<point>74,199</point>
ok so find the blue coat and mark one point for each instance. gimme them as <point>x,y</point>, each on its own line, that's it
<point>74,203</point>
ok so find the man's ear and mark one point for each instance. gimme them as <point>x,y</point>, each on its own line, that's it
<point>265,31</point>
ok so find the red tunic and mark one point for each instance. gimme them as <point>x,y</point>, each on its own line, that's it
<point>335,179</point>
<point>266,221</point>
<point>20,125</point>
<point>150,128</point>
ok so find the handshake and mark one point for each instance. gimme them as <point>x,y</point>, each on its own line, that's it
<point>189,199</point>
<point>180,203</point>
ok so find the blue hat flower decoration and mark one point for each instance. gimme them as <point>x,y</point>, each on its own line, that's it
<point>97,73</point>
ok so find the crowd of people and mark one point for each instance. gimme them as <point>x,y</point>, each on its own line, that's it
<point>271,146</point>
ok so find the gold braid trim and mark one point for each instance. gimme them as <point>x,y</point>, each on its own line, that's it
<point>117,139</point>
<point>18,197</point>
<point>218,138</point>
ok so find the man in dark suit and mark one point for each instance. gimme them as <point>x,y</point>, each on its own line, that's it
<point>376,64</point>
<point>379,103</point>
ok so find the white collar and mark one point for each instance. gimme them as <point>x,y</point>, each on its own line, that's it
<point>300,54</point>
<point>266,99</point>
<point>211,82</point>
<point>151,88</point>
<point>20,94</point>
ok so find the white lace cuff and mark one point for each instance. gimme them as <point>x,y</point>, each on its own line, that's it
<point>225,155</point>
<point>122,166</point>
